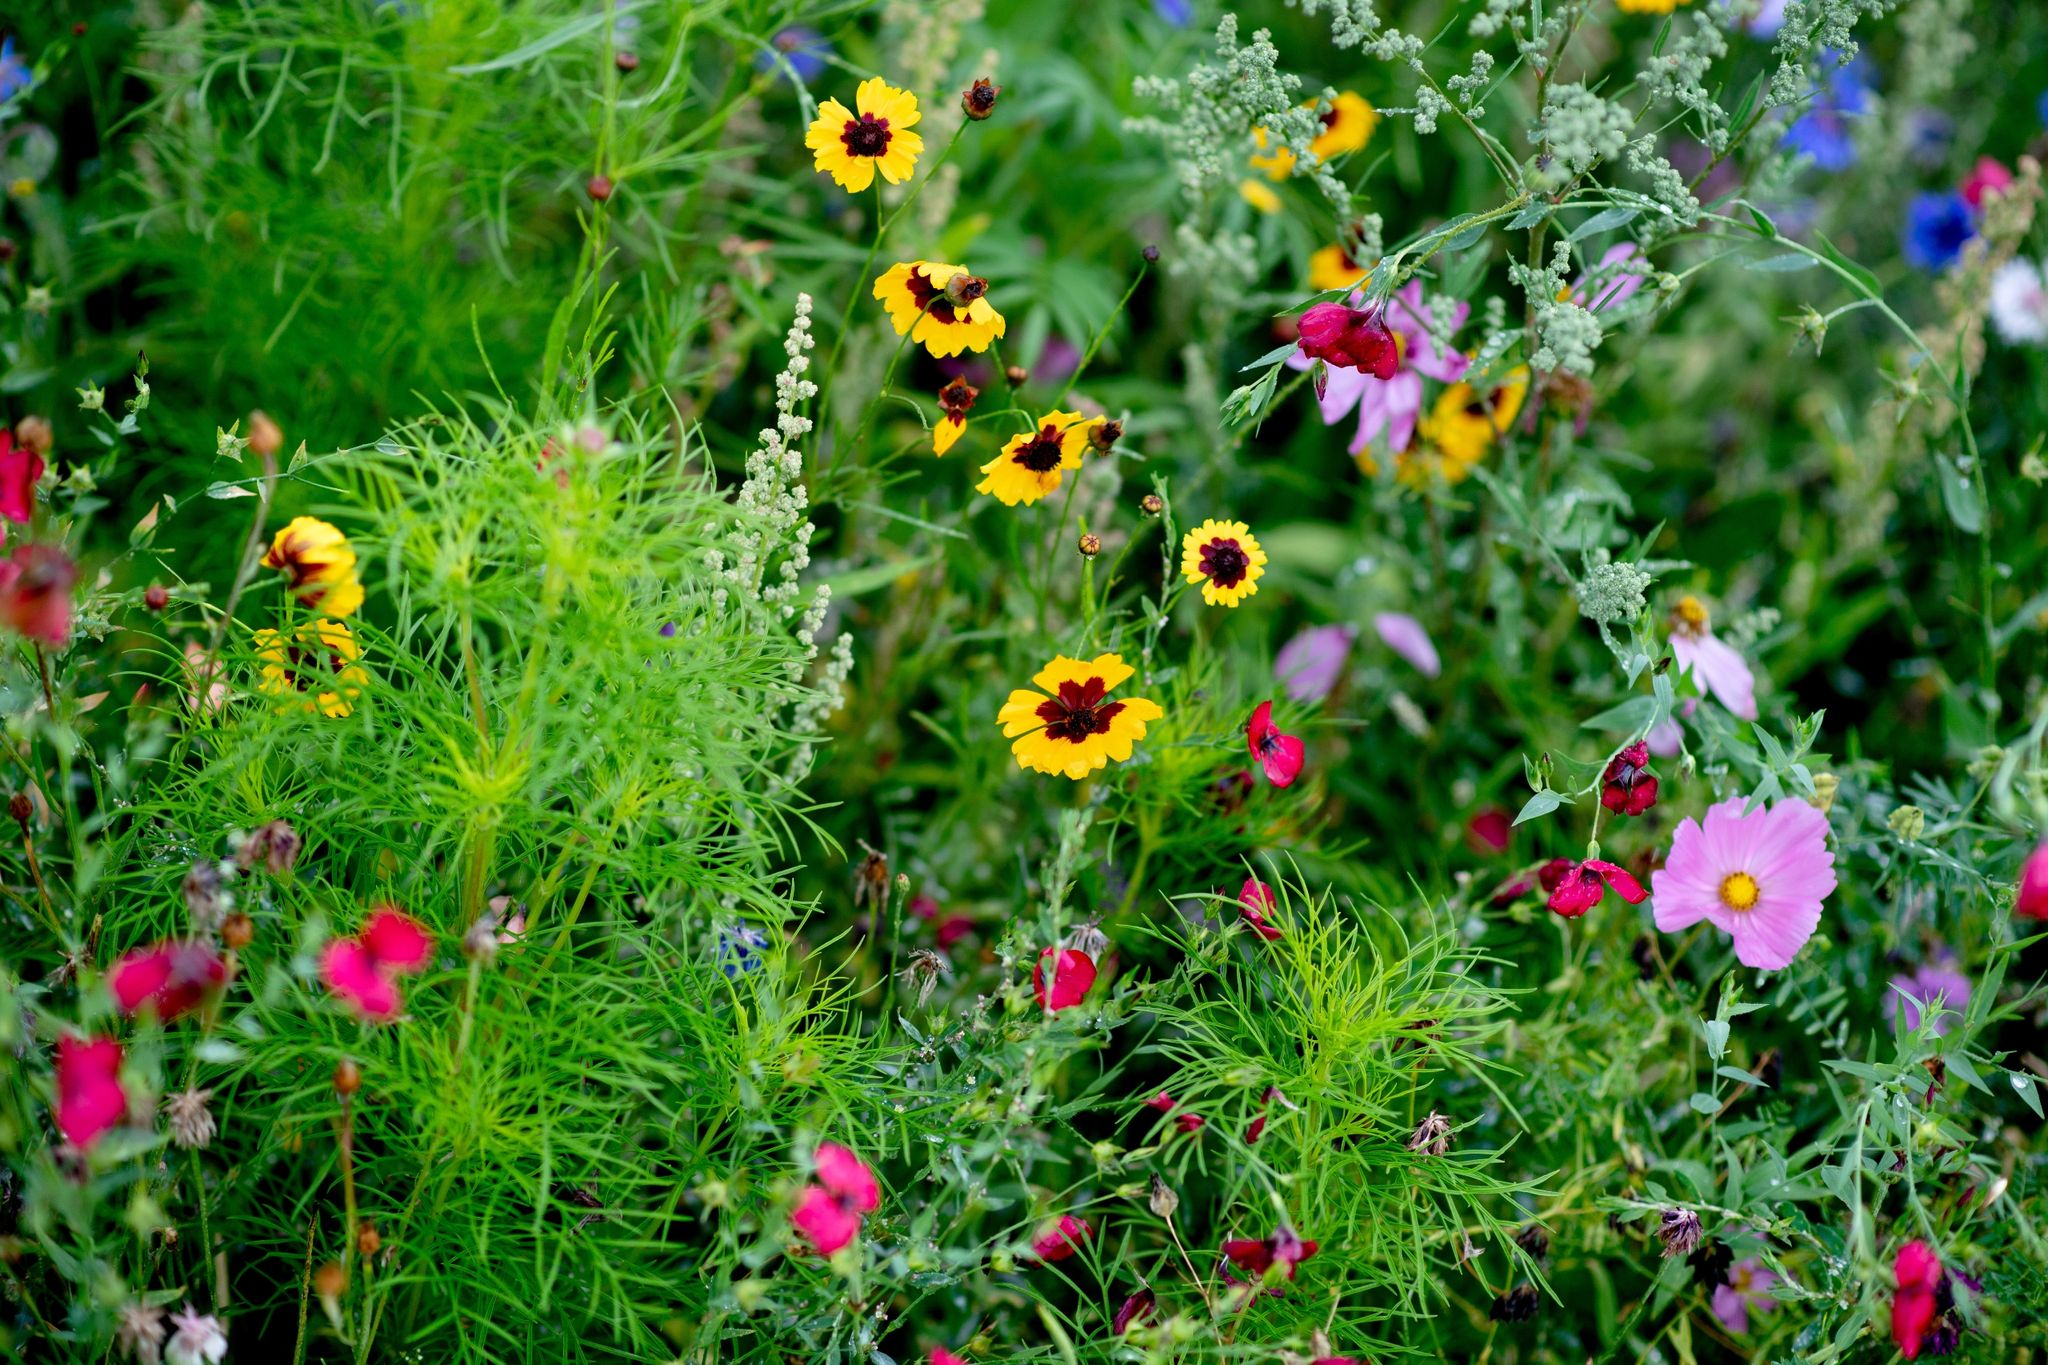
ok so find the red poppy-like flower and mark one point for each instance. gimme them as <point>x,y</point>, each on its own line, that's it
<point>1254,899</point>
<point>1629,787</point>
<point>1280,755</point>
<point>90,1099</point>
<point>1349,338</point>
<point>35,592</point>
<point>1489,830</point>
<point>20,467</point>
<point>1583,884</point>
<point>172,977</point>
<point>364,970</point>
<point>1185,1121</point>
<point>1136,1308</point>
<point>1918,1271</point>
<point>2033,898</point>
<point>1284,1248</point>
<point>1058,1240</point>
<point>1073,973</point>
<point>829,1213</point>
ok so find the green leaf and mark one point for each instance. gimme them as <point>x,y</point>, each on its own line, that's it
<point>1959,495</point>
<point>1625,719</point>
<point>2028,1090</point>
<point>1866,281</point>
<point>229,490</point>
<point>1605,220</point>
<point>1532,215</point>
<point>1703,1103</point>
<point>1539,805</point>
<point>1762,220</point>
<point>1784,264</point>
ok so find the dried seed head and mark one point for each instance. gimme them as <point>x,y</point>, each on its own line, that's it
<point>1517,1305</point>
<point>190,1122</point>
<point>266,438</point>
<point>600,187</point>
<point>1164,1201</point>
<point>367,1240</point>
<point>923,973</point>
<point>206,898</point>
<point>276,843</point>
<point>480,943</point>
<point>1679,1231</point>
<point>871,879</point>
<point>348,1077</point>
<point>1534,1240</point>
<point>978,101</point>
<point>1151,504</point>
<point>1090,545</point>
<point>1432,1136</point>
<point>34,432</point>
<point>141,1333</point>
<point>21,808</point>
<point>237,931</point>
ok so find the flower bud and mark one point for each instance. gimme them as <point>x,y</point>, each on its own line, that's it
<point>348,1077</point>
<point>266,438</point>
<point>157,597</point>
<point>1091,545</point>
<point>237,931</point>
<point>627,61</point>
<point>1104,435</point>
<point>979,100</point>
<point>21,808</point>
<point>367,1240</point>
<point>600,187</point>
<point>1151,504</point>
<point>1016,374</point>
<point>34,432</point>
<point>1151,255</point>
<point>964,288</point>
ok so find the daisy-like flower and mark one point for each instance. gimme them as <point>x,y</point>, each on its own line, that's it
<point>1760,878</point>
<point>1331,267</point>
<point>942,307</point>
<point>1464,423</point>
<point>1073,727</point>
<point>1280,755</point>
<point>1747,1291</point>
<point>1225,558</point>
<point>954,401</point>
<point>1387,393</point>
<point>1716,666</point>
<point>829,1213</point>
<point>1347,126</point>
<point>1033,464</point>
<point>319,663</point>
<point>851,147</point>
<point>320,565</point>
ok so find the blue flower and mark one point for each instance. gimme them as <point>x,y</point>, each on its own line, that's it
<point>2042,107</point>
<point>1179,13</point>
<point>1823,131</point>
<point>1938,227</point>
<point>739,949</point>
<point>804,48</point>
<point>15,75</point>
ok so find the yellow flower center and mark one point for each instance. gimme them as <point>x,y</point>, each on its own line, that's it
<point>1739,891</point>
<point>1690,616</point>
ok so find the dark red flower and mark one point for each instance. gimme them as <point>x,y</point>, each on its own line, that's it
<point>20,467</point>
<point>1280,755</point>
<point>1583,885</point>
<point>35,592</point>
<point>1137,1307</point>
<point>1349,338</point>
<point>1918,1271</point>
<point>1254,899</point>
<point>90,1099</point>
<point>1284,1248</point>
<point>1629,787</point>
<point>173,977</point>
<point>1058,1240</point>
<point>2033,897</point>
<point>1490,830</point>
<point>1073,973</point>
<point>1513,889</point>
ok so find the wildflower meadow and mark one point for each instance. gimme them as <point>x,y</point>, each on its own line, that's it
<point>938,682</point>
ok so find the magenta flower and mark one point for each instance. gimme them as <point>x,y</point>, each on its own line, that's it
<point>1713,664</point>
<point>1310,664</point>
<point>1353,339</point>
<point>1058,1240</point>
<point>171,977</point>
<point>2032,902</point>
<point>1254,899</point>
<point>1390,403</point>
<point>20,468</point>
<point>1404,635</point>
<point>1279,754</point>
<point>1614,280</point>
<point>1072,972</point>
<point>1988,175</point>
<point>364,970</point>
<point>90,1099</point>
<point>1747,1291</point>
<point>1759,878</point>
<point>1583,885</point>
<point>829,1213</point>
<point>1939,982</point>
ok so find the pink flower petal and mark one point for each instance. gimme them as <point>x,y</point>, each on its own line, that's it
<point>396,940</point>
<point>352,972</point>
<point>90,1100</point>
<point>847,1176</point>
<point>824,1221</point>
<point>1404,635</point>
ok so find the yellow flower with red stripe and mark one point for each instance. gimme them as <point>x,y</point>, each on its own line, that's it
<point>1033,464</point>
<point>319,663</point>
<point>850,147</point>
<point>1072,726</point>
<point>319,564</point>
<point>1225,558</point>
<point>941,307</point>
<point>1463,423</point>
<point>954,401</point>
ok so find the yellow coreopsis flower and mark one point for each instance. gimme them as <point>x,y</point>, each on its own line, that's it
<point>1347,126</point>
<point>1072,726</point>
<point>942,307</point>
<point>318,664</point>
<point>1225,558</point>
<point>1463,424</point>
<point>319,564</point>
<point>1331,267</point>
<point>954,401</point>
<point>1260,197</point>
<point>1649,6</point>
<point>1032,465</point>
<point>851,147</point>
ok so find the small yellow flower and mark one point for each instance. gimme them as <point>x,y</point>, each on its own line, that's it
<point>1225,558</point>
<point>851,148</point>
<point>942,307</point>
<point>1649,6</point>
<point>319,564</point>
<point>1260,197</point>
<point>1463,425</point>
<point>318,665</point>
<point>954,401</point>
<point>1347,126</point>
<point>1033,464</point>
<point>1331,267</point>
<point>1071,726</point>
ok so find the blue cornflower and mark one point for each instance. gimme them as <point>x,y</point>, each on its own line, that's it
<point>15,75</point>
<point>2042,107</point>
<point>1823,131</point>
<point>1938,227</point>
<point>739,949</point>
<point>1179,13</point>
<point>804,48</point>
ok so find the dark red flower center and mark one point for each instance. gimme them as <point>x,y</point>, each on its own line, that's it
<point>931,300</point>
<point>1225,563</point>
<point>866,136</point>
<point>1080,710</point>
<point>1330,117</point>
<point>1042,452</point>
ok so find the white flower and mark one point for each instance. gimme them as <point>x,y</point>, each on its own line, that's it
<point>198,1340</point>
<point>2019,303</point>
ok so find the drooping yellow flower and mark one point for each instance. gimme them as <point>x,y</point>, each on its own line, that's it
<point>851,147</point>
<point>954,401</point>
<point>1225,558</point>
<point>1649,6</point>
<point>319,564</point>
<point>942,307</point>
<point>1260,197</point>
<point>1331,267</point>
<point>1347,126</point>
<point>1072,726</point>
<point>318,665</point>
<point>1032,465</point>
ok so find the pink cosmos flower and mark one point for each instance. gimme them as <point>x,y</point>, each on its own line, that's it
<point>1918,1271</point>
<point>1280,755</point>
<point>364,970</point>
<point>1073,974</point>
<point>1254,899</point>
<point>1939,982</point>
<point>1349,339</point>
<point>1310,664</point>
<point>1058,1240</point>
<point>172,977</point>
<point>1390,403</point>
<point>1988,174</point>
<point>1404,635</point>
<point>35,593</point>
<point>1615,279</point>
<point>1760,878</point>
<point>1746,1291</point>
<point>20,468</point>
<point>90,1100</point>
<point>1581,886</point>
<point>829,1212</point>
<point>1717,667</point>
<point>2033,895</point>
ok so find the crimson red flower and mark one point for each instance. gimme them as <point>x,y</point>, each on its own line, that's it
<point>829,1213</point>
<point>1280,755</point>
<point>1058,1240</point>
<point>1137,1307</point>
<point>1583,885</point>
<point>1629,787</point>
<point>172,977</point>
<point>1254,899</point>
<point>2033,898</point>
<point>1490,830</point>
<point>1350,339</point>
<point>1284,1248</point>
<point>1551,875</point>
<point>1918,1271</point>
<point>1185,1121</point>
<point>1073,974</point>
<point>90,1099</point>
<point>20,467</point>
<point>35,592</point>
<point>364,970</point>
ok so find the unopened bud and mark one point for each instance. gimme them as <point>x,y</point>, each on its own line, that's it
<point>34,432</point>
<point>1825,785</point>
<point>367,1240</point>
<point>1091,545</point>
<point>600,187</point>
<point>348,1077</point>
<point>237,931</point>
<point>156,597</point>
<point>1016,374</point>
<point>1151,255</point>
<point>964,288</point>
<point>1151,504</point>
<point>627,61</point>
<point>1104,435</point>
<point>266,438</point>
<point>979,100</point>
<point>1907,822</point>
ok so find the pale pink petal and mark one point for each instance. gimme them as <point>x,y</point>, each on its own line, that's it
<point>1723,673</point>
<point>1310,664</point>
<point>1405,636</point>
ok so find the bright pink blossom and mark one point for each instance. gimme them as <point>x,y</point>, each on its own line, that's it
<point>35,593</point>
<point>20,468</point>
<point>829,1212</point>
<point>172,977</point>
<point>364,970</point>
<point>1285,1248</point>
<point>90,1100</point>
<point>1072,972</point>
<point>1759,877</point>
<point>1988,174</point>
<point>2032,902</point>
<point>1349,338</point>
<point>1389,404</point>
<point>1746,1291</point>
<point>1918,1272</point>
<point>1185,1121</point>
<point>1254,899</point>
<point>1136,1308</point>
<point>941,1356</point>
<point>1582,885</point>
<point>1281,755</point>
<point>1061,1238</point>
<point>1490,830</point>
<point>1405,636</point>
